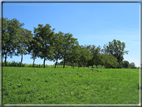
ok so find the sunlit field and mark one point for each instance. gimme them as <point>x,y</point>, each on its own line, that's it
<point>27,85</point>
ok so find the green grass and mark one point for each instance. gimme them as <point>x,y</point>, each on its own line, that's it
<point>24,85</point>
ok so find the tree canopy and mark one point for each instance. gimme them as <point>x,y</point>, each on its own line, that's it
<point>11,30</point>
<point>48,45</point>
<point>116,48</point>
<point>44,35</point>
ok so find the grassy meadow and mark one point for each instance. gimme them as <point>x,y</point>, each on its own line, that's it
<point>27,85</point>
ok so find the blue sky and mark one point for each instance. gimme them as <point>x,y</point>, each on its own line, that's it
<point>91,23</point>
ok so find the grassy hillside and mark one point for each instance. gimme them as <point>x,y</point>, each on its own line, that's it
<point>24,85</point>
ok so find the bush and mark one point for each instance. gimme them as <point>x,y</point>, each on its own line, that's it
<point>94,66</point>
<point>109,61</point>
<point>132,65</point>
<point>100,66</point>
<point>125,64</point>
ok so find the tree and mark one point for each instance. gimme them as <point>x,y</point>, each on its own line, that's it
<point>85,56</point>
<point>34,48</point>
<point>94,51</point>
<point>68,42</point>
<point>58,48</point>
<point>125,64</point>
<point>116,48</point>
<point>109,61</point>
<point>11,29</point>
<point>74,53</point>
<point>132,65</point>
<point>23,44</point>
<point>45,35</point>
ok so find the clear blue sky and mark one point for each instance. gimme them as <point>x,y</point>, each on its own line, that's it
<point>91,23</point>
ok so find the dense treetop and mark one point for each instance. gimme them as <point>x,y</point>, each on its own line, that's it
<point>48,45</point>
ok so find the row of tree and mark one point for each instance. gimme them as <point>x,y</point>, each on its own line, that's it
<point>48,45</point>
<point>125,64</point>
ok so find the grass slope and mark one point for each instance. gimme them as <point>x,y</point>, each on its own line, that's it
<point>23,85</point>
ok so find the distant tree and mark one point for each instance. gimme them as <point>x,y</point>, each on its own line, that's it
<point>23,44</point>
<point>45,35</point>
<point>94,51</point>
<point>85,56</point>
<point>125,64</point>
<point>11,30</point>
<point>109,61</point>
<point>75,53</point>
<point>62,62</point>
<point>116,48</point>
<point>34,47</point>
<point>58,47</point>
<point>68,42</point>
<point>132,65</point>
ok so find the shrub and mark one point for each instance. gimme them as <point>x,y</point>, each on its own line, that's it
<point>100,66</point>
<point>94,66</point>
<point>109,61</point>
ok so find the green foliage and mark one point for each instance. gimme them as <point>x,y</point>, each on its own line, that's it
<point>116,48</point>
<point>75,54</point>
<point>13,64</point>
<point>125,64</point>
<point>34,48</point>
<point>44,35</point>
<point>85,56</point>
<point>57,46</point>
<point>132,65</point>
<point>100,66</point>
<point>17,64</point>
<point>68,44</point>
<point>109,61</point>
<point>11,30</point>
<point>24,40</point>
<point>95,53</point>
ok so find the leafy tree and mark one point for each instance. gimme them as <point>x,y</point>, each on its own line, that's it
<point>132,65</point>
<point>11,29</point>
<point>94,51</point>
<point>45,35</point>
<point>68,42</point>
<point>24,43</point>
<point>34,48</point>
<point>58,47</point>
<point>85,56</point>
<point>125,64</point>
<point>74,53</point>
<point>116,48</point>
<point>109,61</point>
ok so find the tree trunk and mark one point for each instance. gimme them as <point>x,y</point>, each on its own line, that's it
<point>64,64</point>
<point>78,64</point>
<point>33,61</point>
<point>21,60</point>
<point>44,62</point>
<point>5,60</point>
<point>55,63</point>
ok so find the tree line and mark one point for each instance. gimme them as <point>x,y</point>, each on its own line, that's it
<point>44,43</point>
